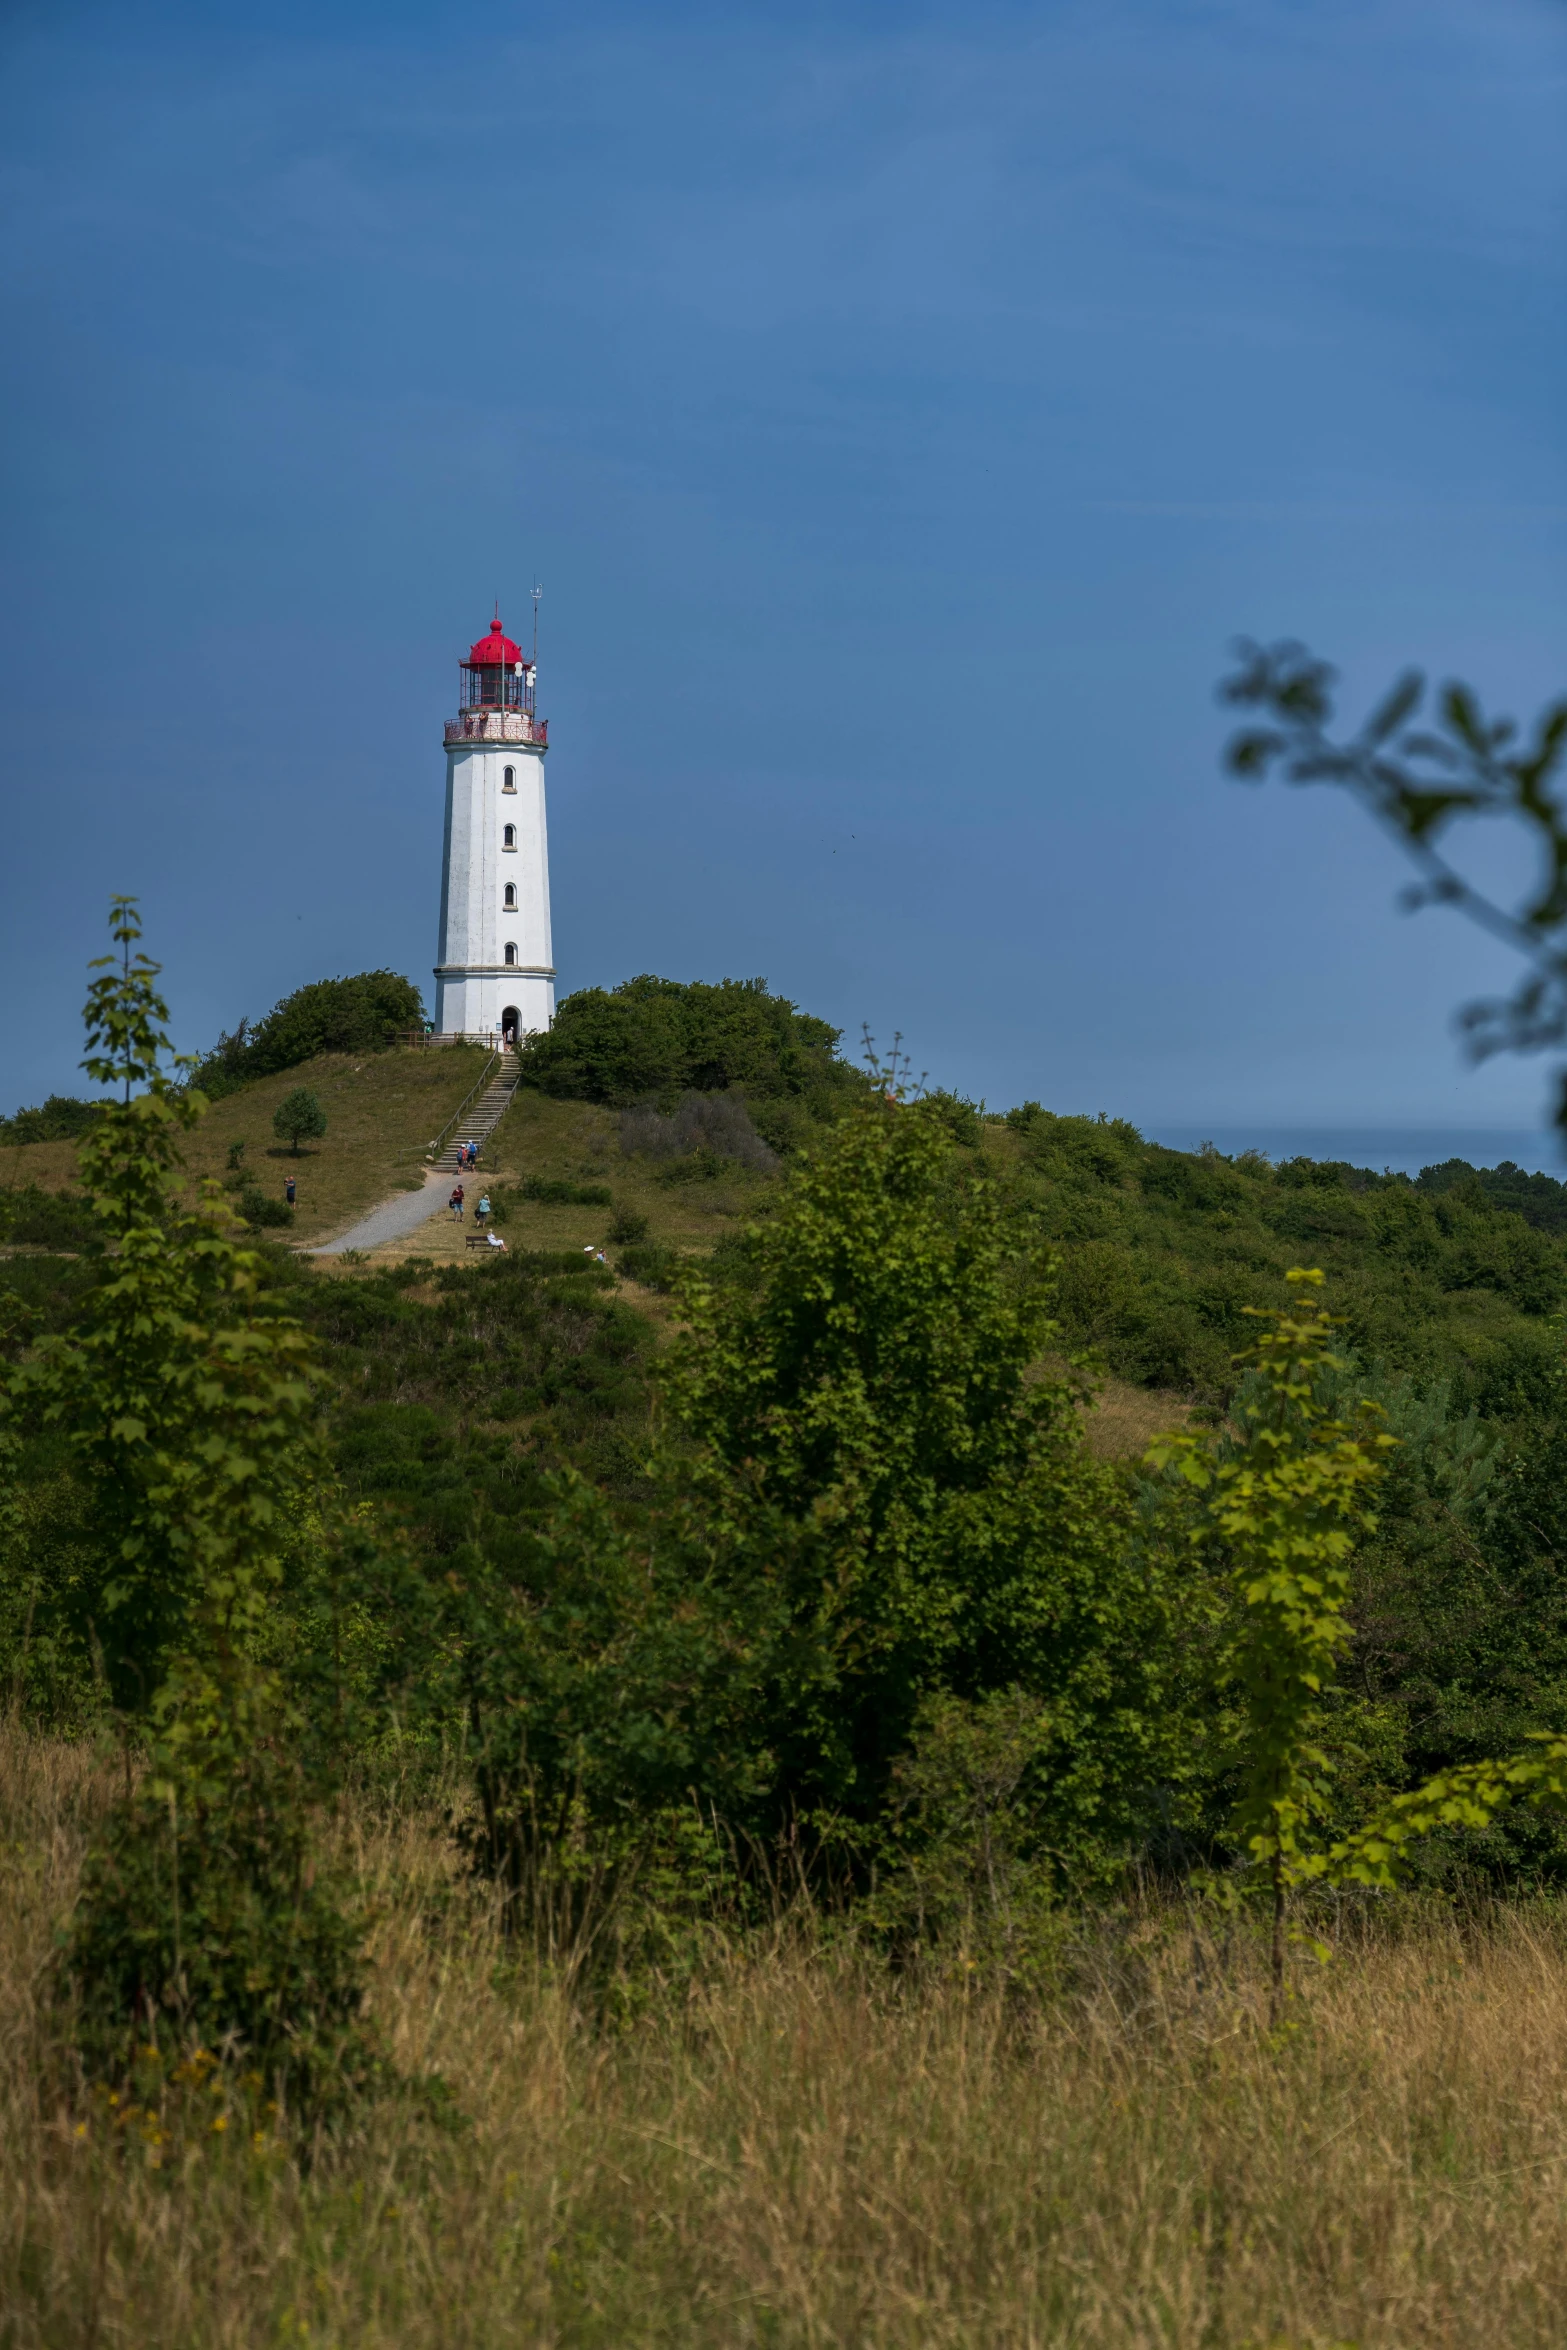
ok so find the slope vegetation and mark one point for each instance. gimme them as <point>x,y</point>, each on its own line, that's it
<point>1163,1252</point>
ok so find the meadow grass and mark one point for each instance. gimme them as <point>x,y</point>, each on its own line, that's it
<point>790,2145</point>
<point>382,1111</point>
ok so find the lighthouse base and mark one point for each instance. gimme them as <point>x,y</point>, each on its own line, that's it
<point>481,1002</point>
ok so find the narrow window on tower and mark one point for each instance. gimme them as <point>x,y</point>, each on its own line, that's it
<point>509,837</point>
<point>509,779</point>
<point>510,900</point>
<point>511,955</point>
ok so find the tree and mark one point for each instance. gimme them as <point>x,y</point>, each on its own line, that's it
<point>182,1404</point>
<point>1417,782</point>
<point>1285,1501</point>
<point>869,1496</point>
<point>187,1407</point>
<point>298,1118</point>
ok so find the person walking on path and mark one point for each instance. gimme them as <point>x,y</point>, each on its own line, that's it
<point>288,1190</point>
<point>482,1212</point>
<point>455,1203</point>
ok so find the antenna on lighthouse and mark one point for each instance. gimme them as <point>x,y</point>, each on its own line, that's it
<point>537,592</point>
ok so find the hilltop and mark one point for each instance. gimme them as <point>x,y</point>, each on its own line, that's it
<point>1160,1252</point>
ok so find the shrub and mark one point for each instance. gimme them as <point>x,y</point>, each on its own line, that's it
<point>659,1037</point>
<point>61,1119</point>
<point>966,1875</point>
<point>206,1920</point>
<point>35,1218</point>
<point>181,1405</point>
<point>627,1227</point>
<point>867,1405</point>
<point>956,1115</point>
<point>363,1014</point>
<point>558,1192</point>
<point>651,1263</point>
<point>259,1208</point>
<point>708,1128</point>
<point>298,1117</point>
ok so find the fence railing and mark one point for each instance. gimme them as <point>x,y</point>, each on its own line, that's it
<point>486,1080</point>
<point>498,726</point>
<point>492,1039</point>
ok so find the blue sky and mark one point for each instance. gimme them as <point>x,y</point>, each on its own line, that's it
<point>903,408</point>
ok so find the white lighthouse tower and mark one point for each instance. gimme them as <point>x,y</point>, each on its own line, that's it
<point>496,973</point>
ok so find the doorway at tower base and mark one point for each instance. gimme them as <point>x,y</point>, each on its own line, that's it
<point>486,1005</point>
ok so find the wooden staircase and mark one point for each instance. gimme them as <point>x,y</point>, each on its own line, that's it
<point>480,1119</point>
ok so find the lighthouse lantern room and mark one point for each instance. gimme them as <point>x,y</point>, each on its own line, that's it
<point>495,977</point>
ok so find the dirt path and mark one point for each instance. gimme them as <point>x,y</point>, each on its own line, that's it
<point>392,1219</point>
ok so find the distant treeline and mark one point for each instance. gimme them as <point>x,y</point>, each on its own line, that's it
<point>1540,1199</point>
<point>60,1119</point>
<point>1164,1255</point>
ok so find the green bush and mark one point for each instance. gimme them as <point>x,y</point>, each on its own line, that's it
<point>967,1875</point>
<point>259,1208</point>
<point>1162,1253</point>
<point>660,1038</point>
<point>212,1923</point>
<point>627,1227</point>
<point>61,1119</point>
<point>1541,1200</point>
<point>651,1263</point>
<point>558,1192</point>
<point>35,1218</point>
<point>363,1014</point>
<point>958,1117</point>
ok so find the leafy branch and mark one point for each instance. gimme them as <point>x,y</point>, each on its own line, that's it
<point>1418,779</point>
<point>1468,1797</point>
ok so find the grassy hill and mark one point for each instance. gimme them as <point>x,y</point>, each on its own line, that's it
<point>1161,1252</point>
<point>382,1111</point>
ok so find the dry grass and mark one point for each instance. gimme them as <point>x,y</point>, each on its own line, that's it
<point>1123,1421</point>
<point>51,1165</point>
<point>573,1139</point>
<point>382,1110</point>
<point>800,2151</point>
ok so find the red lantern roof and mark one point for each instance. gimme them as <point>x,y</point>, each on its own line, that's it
<point>495,648</point>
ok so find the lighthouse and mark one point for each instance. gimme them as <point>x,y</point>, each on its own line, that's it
<point>495,976</point>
